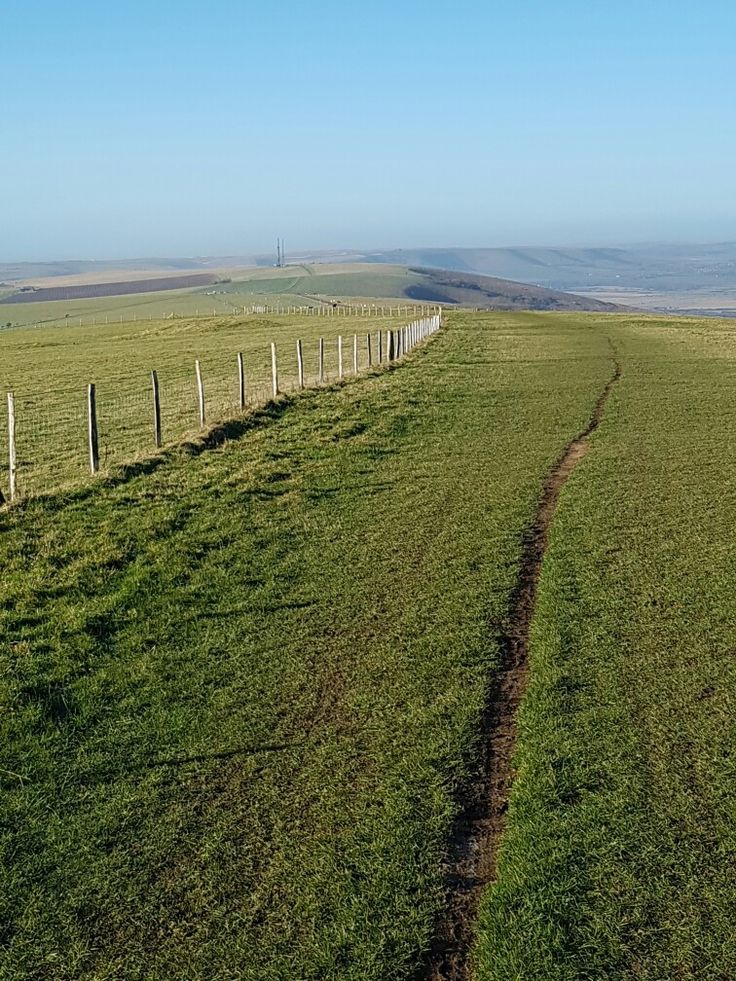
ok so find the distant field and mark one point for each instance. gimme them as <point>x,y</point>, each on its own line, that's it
<point>298,285</point>
<point>709,302</point>
<point>119,288</point>
<point>307,286</point>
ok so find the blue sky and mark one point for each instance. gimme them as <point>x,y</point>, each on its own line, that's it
<point>189,129</point>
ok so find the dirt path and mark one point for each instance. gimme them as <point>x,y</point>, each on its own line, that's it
<point>477,835</point>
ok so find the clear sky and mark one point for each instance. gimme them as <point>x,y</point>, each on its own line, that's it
<point>180,128</point>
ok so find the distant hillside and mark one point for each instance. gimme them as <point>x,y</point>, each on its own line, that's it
<point>490,293</point>
<point>661,268</point>
<point>82,291</point>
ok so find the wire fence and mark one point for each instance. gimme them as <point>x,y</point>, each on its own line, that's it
<point>54,438</point>
<point>228,306</point>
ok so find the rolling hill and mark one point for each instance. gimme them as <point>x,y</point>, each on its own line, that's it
<point>318,284</point>
<point>491,293</point>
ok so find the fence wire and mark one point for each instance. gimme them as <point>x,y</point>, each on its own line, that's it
<point>52,427</point>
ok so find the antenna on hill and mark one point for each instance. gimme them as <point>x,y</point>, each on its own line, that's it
<point>280,254</point>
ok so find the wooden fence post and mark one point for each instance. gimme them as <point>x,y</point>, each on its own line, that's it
<point>369,349</point>
<point>300,363</point>
<point>339,356</point>
<point>321,360</point>
<point>379,346</point>
<point>94,450</point>
<point>12,455</point>
<point>200,391</point>
<point>241,382</point>
<point>274,371</point>
<point>156,410</point>
<point>355,354</point>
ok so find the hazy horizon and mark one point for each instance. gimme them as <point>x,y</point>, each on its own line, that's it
<point>157,131</point>
<point>378,250</point>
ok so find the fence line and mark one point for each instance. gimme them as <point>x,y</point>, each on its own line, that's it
<point>133,408</point>
<point>319,308</point>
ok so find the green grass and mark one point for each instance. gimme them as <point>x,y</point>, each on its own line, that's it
<point>362,282</point>
<point>619,857</point>
<point>240,690</point>
<point>48,369</point>
<point>291,286</point>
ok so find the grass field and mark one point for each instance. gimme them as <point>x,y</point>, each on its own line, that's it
<point>619,857</point>
<point>48,369</point>
<point>291,286</point>
<point>241,691</point>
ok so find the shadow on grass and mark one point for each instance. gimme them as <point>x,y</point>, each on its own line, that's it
<point>172,764</point>
<point>227,754</point>
<point>221,433</point>
<point>175,763</point>
<point>218,435</point>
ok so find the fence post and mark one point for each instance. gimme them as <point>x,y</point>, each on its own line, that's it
<point>389,345</point>
<point>379,346</point>
<point>274,371</point>
<point>369,349</point>
<point>241,382</point>
<point>12,456</point>
<point>94,450</point>
<point>339,356</point>
<point>300,363</point>
<point>156,410</point>
<point>200,391</point>
<point>321,360</point>
<point>355,354</point>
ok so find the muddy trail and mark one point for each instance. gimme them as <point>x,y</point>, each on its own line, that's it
<point>477,834</point>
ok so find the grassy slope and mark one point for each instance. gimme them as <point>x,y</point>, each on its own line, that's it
<point>619,858</point>
<point>330,282</point>
<point>288,286</point>
<point>239,692</point>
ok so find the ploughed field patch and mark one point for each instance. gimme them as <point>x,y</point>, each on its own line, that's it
<point>91,290</point>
